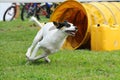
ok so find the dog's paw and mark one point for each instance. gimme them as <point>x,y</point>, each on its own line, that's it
<point>31,59</point>
<point>28,53</point>
<point>47,60</point>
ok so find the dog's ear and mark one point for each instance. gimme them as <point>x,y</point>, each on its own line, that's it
<point>59,25</point>
<point>65,21</point>
<point>55,23</point>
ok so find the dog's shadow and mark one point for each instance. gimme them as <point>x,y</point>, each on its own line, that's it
<point>37,62</point>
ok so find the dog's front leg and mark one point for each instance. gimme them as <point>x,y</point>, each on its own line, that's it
<point>29,51</point>
<point>37,38</point>
<point>32,57</point>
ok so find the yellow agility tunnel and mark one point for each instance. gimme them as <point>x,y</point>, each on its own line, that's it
<point>84,15</point>
<point>105,37</point>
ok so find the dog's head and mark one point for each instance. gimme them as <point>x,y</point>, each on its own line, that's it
<point>66,27</point>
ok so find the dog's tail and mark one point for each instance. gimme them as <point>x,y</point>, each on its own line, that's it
<point>35,20</point>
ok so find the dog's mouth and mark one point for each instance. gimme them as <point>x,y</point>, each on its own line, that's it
<point>71,32</point>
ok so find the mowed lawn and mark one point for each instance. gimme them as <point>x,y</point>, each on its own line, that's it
<point>16,36</point>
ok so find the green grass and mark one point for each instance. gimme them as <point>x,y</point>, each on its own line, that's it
<point>16,36</point>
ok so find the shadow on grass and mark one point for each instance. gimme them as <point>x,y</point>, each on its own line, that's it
<point>37,62</point>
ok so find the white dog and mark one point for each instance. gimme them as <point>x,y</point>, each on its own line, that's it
<point>50,38</point>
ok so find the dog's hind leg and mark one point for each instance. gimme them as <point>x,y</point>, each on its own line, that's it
<point>37,38</point>
<point>47,59</point>
<point>32,57</point>
<point>43,55</point>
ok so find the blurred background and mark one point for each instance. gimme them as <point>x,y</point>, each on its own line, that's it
<point>11,11</point>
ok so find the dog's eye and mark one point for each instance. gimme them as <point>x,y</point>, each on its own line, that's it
<point>67,25</point>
